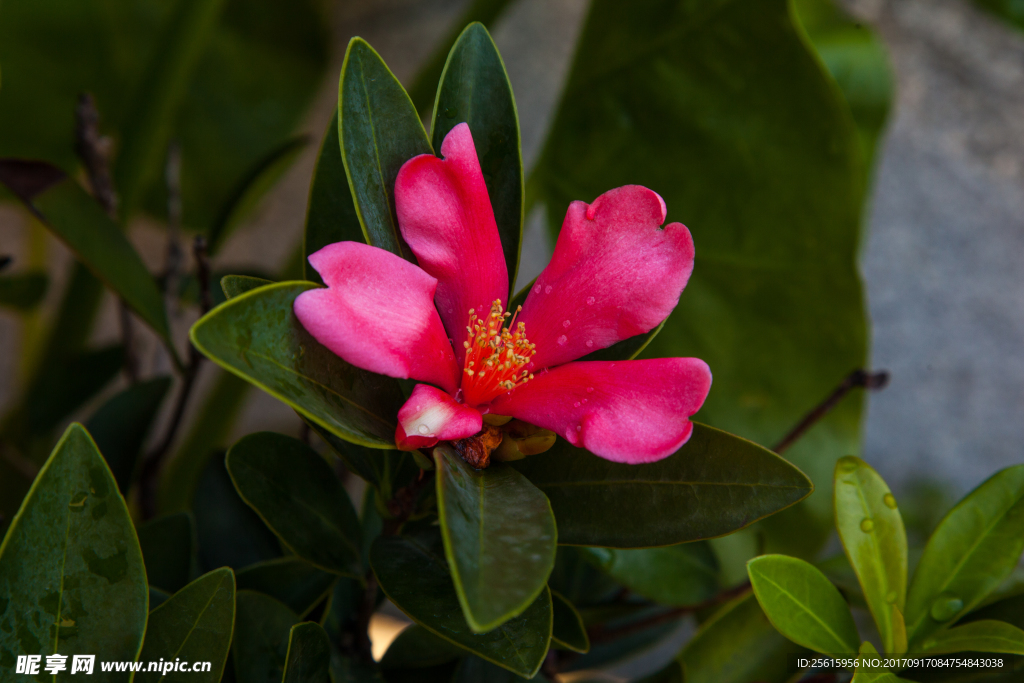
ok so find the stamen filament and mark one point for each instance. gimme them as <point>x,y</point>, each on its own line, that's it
<point>495,355</point>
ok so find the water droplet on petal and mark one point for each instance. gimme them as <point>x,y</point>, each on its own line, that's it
<point>590,390</point>
<point>562,340</point>
<point>579,428</point>
<point>590,301</point>
<point>945,607</point>
<point>590,343</point>
<point>866,525</point>
<point>536,289</point>
<point>890,501</point>
<point>890,597</point>
<point>423,429</point>
<point>576,404</point>
<point>566,323</point>
<point>547,290</point>
<point>584,400</point>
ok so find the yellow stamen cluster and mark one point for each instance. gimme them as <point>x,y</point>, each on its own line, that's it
<point>495,355</point>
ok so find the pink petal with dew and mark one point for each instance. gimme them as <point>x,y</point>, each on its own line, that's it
<point>445,215</point>
<point>430,415</point>
<point>628,411</point>
<point>378,314</point>
<point>614,274</point>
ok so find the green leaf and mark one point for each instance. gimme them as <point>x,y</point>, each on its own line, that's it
<point>309,655</point>
<point>416,647</point>
<point>412,572</point>
<point>871,529</point>
<point>296,494</point>
<point>670,673</point>
<point>194,625</point>
<point>868,675</point>
<point>236,285</point>
<point>1009,11</point>
<point>723,109</point>
<point>379,130</point>
<point>169,549</point>
<point>602,503</point>
<point>295,582</point>
<point>473,670</point>
<point>474,89</point>
<point>680,575</point>
<point>257,337</point>
<point>120,426</point>
<point>262,629</point>
<point>386,470</point>
<point>499,537</point>
<point>986,635</point>
<point>75,217</point>
<point>623,647</point>
<point>71,572</point>
<point>802,604</point>
<point>330,215</point>
<point>975,547</point>
<point>568,630</point>
<point>24,291</point>
<point>738,644</point>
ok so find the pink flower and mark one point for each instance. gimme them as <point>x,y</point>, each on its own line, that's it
<point>614,274</point>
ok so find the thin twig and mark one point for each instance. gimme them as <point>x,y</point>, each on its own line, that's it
<point>174,257</point>
<point>94,151</point>
<point>858,378</point>
<point>154,460</point>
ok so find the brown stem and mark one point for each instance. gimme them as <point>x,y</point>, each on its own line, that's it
<point>858,378</point>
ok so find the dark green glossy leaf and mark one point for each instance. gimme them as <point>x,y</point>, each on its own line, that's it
<point>499,537</point>
<point>416,647</point>
<point>260,645</point>
<point>257,337</point>
<point>803,604</point>
<point>24,291</point>
<point>230,533</point>
<point>568,630</point>
<point>737,645</point>
<point>343,602</point>
<point>169,549</point>
<point>473,669</point>
<point>309,655</point>
<point>235,285</point>
<point>120,426</point>
<point>412,571</point>
<point>386,470</point>
<point>75,217</point>
<point>670,673</point>
<point>631,645</point>
<point>974,548</point>
<point>157,597</point>
<point>723,109</point>
<point>330,215</point>
<point>71,572</point>
<point>474,89</point>
<point>346,669</point>
<point>985,635</point>
<point>872,533</point>
<point>715,484</point>
<point>578,580</point>
<point>296,494</point>
<point>379,130</point>
<point>684,574</point>
<point>295,582</point>
<point>194,625</point>
<point>263,175</point>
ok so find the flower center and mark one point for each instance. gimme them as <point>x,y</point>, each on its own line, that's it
<point>495,356</point>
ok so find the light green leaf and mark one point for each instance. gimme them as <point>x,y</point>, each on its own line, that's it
<point>412,572</point>
<point>309,655</point>
<point>379,130</point>
<point>293,581</point>
<point>169,546</point>
<point>973,549</point>
<point>737,645</point>
<point>194,625</point>
<point>262,629</point>
<point>871,529</point>
<point>24,291</point>
<point>296,494</point>
<point>602,503</point>
<point>869,675</point>
<point>257,337</point>
<point>986,635</point>
<point>474,89</point>
<point>568,630</point>
<point>499,537</point>
<point>680,575</point>
<point>802,604</point>
<point>723,109</point>
<point>71,572</point>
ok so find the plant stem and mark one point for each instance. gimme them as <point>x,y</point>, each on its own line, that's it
<point>859,378</point>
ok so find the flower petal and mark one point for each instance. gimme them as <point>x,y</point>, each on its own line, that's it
<point>628,411</point>
<point>430,415</point>
<point>378,314</point>
<point>614,274</point>
<point>445,215</point>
